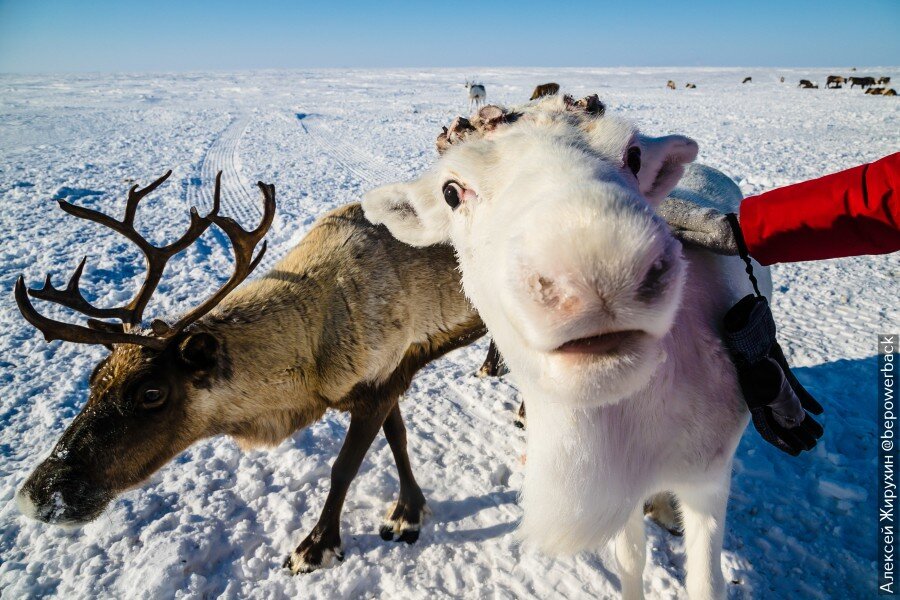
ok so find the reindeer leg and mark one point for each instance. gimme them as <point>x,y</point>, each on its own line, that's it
<point>493,366</point>
<point>520,420</point>
<point>323,545</point>
<point>631,553</point>
<point>406,517</point>
<point>703,511</point>
<point>493,363</point>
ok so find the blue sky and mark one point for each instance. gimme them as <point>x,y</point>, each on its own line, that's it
<point>91,35</point>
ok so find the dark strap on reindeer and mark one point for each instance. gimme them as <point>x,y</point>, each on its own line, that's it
<point>742,249</point>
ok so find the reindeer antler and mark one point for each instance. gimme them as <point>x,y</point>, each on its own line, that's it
<point>244,243</point>
<point>491,117</point>
<point>487,119</point>
<point>592,104</point>
<point>102,332</point>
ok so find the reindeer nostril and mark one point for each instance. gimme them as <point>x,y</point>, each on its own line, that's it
<point>551,293</point>
<point>655,281</point>
<point>543,290</point>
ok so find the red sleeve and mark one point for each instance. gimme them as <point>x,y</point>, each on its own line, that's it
<point>853,212</point>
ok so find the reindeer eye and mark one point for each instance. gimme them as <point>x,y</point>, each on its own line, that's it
<point>151,396</point>
<point>452,194</point>
<point>633,159</point>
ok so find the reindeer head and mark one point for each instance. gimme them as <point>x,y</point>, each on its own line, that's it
<point>551,210</point>
<point>140,411</point>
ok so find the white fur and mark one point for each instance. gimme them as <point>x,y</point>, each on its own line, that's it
<point>26,505</point>
<point>555,244</point>
<point>477,95</point>
<point>31,510</point>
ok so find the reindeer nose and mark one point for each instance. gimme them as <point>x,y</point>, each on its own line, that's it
<point>55,493</point>
<point>593,250</point>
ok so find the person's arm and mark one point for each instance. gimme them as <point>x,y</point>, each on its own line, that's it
<point>849,213</point>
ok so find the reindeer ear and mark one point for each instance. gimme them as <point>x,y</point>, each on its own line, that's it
<point>199,351</point>
<point>662,164</point>
<point>411,212</point>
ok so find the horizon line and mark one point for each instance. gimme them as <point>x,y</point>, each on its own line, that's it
<point>419,68</point>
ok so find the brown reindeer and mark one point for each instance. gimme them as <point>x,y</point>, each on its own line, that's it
<point>690,86</point>
<point>875,91</point>
<point>883,80</point>
<point>863,82</point>
<point>808,85</point>
<point>544,89</point>
<point>835,81</point>
<point>889,92</point>
<point>747,80</point>
<point>343,322</point>
<point>671,85</point>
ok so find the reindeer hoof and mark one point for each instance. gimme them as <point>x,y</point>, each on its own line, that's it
<point>410,536</point>
<point>310,556</point>
<point>403,523</point>
<point>386,532</point>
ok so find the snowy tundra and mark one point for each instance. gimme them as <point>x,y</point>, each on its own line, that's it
<point>217,521</point>
<point>609,330</point>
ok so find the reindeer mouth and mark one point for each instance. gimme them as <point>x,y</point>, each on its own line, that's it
<point>57,494</point>
<point>602,344</point>
<point>66,508</point>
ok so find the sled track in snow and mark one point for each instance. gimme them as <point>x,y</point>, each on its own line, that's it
<point>239,199</point>
<point>364,166</point>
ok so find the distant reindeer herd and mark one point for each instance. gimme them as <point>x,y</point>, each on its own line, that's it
<point>834,82</point>
<point>477,94</point>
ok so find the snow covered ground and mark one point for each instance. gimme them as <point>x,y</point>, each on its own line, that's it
<point>216,522</point>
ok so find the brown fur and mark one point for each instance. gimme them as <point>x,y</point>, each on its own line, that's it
<point>357,299</point>
<point>670,85</point>
<point>835,81</point>
<point>544,89</point>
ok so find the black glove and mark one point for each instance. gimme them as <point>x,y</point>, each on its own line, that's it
<point>778,403</point>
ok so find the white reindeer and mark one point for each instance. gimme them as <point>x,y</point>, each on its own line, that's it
<point>477,95</point>
<point>610,327</point>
